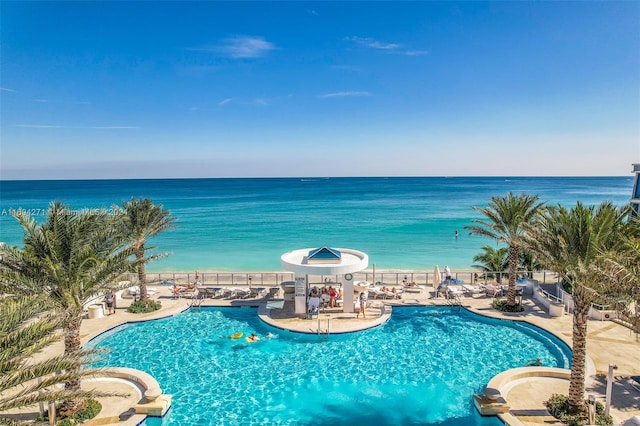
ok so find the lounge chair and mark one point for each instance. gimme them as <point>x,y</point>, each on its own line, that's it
<point>273,292</point>
<point>472,290</point>
<point>396,295</point>
<point>411,288</point>
<point>239,293</point>
<point>376,293</point>
<point>313,306</point>
<point>442,290</point>
<point>177,291</point>
<point>453,292</point>
<point>492,290</point>
<point>135,291</point>
<point>635,382</point>
<point>253,293</point>
<point>190,293</point>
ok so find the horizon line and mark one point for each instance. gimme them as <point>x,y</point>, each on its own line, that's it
<point>630,175</point>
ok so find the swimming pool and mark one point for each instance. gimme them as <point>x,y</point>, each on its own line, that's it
<point>421,367</point>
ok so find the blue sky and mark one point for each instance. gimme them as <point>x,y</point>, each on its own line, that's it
<point>231,89</point>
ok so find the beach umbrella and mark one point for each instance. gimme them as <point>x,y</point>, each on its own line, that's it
<point>437,278</point>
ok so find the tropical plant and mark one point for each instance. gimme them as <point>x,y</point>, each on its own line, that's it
<point>528,263</point>
<point>505,222</point>
<point>622,267</point>
<point>71,257</point>
<point>142,219</point>
<point>572,242</point>
<point>492,260</point>
<point>27,377</point>
<point>557,405</point>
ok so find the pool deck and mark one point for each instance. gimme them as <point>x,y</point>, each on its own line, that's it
<point>608,343</point>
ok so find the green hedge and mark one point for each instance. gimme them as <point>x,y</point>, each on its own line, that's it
<point>144,306</point>
<point>558,406</point>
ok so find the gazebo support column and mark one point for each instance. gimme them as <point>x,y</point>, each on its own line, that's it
<point>300,299</point>
<point>347,294</point>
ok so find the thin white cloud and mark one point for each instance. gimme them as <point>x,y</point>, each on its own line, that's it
<point>5,89</point>
<point>387,47</point>
<point>54,126</point>
<point>245,47</point>
<point>224,101</point>
<point>344,94</point>
<point>416,52</point>
<point>375,44</point>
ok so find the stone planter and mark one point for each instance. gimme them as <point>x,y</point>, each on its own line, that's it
<point>556,309</point>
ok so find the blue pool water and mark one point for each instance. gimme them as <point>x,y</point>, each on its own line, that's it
<point>421,367</point>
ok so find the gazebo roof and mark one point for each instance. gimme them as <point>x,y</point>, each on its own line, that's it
<point>324,255</point>
<point>325,261</point>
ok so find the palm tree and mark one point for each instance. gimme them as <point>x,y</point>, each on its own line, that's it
<point>141,219</point>
<point>491,260</point>
<point>622,267</point>
<point>572,243</point>
<point>72,257</point>
<point>26,328</point>
<point>505,220</point>
<point>529,263</point>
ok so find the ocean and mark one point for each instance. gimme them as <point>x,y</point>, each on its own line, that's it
<point>245,225</point>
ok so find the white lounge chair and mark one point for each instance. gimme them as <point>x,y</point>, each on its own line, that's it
<point>135,291</point>
<point>413,288</point>
<point>472,290</point>
<point>313,306</point>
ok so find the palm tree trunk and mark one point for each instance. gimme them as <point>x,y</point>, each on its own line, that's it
<point>513,270</point>
<point>576,384</point>
<point>71,347</point>
<point>142,276</point>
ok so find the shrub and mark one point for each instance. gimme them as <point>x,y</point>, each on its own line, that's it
<point>91,409</point>
<point>503,306</point>
<point>558,406</point>
<point>144,306</point>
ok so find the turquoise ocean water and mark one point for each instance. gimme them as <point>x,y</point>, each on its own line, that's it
<point>247,224</point>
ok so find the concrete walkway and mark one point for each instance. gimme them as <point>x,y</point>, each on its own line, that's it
<point>608,343</point>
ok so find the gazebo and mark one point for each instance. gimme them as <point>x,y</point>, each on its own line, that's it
<point>323,261</point>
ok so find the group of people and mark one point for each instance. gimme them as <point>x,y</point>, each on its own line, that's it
<point>328,295</point>
<point>389,290</point>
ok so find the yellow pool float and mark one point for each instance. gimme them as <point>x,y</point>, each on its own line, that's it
<point>237,335</point>
<point>252,338</point>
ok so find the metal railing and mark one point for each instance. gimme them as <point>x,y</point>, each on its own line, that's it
<point>269,279</point>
